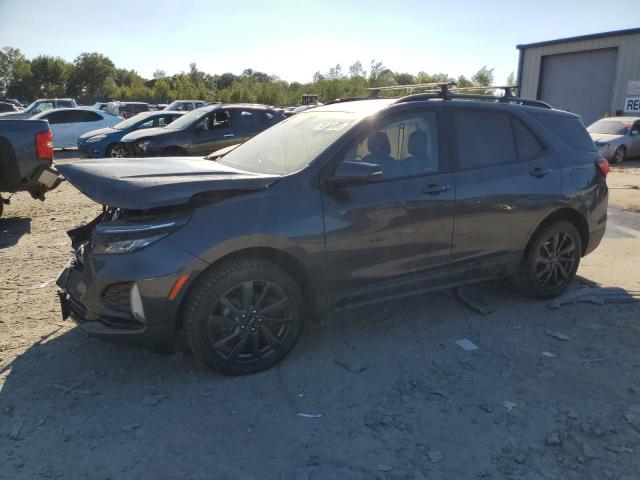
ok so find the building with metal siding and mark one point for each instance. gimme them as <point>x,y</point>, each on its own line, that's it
<point>588,75</point>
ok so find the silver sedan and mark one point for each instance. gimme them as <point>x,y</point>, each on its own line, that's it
<point>617,138</point>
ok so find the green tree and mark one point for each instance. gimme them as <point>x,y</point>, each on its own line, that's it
<point>15,73</point>
<point>90,77</point>
<point>49,76</point>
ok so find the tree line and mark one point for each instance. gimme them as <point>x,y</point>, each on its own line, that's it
<point>94,77</point>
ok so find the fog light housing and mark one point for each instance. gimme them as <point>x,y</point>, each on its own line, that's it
<point>137,309</point>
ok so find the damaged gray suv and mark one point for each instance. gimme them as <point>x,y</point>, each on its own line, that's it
<point>344,204</point>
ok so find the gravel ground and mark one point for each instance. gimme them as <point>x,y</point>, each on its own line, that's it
<point>383,392</point>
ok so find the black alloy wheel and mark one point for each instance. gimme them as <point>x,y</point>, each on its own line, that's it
<point>250,322</point>
<point>555,261</point>
<point>551,261</point>
<point>243,315</point>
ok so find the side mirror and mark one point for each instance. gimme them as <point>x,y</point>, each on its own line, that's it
<point>354,173</point>
<point>635,132</point>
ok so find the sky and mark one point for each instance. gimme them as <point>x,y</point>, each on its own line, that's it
<point>294,39</point>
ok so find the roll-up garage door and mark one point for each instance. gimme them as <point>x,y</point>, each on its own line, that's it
<point>580,82</point>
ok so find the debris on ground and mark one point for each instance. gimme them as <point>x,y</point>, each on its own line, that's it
<point>15,431</point>
<point>384,468</point>
<point>548,354</point>
<point>435,456</point>
<point>310,415</point>
<point>151,400</point>
<point>466,344</point>
<point>598,296</point>
<point>632,415</point>
<point>72,389</point>
<point>42,285</point>
<point>350,366</point>
<point>556,334</point>
<point>553,440</point>
<point>479,305</point>
<point>509,405</point>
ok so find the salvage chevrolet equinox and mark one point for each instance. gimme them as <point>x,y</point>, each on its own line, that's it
<point>344,204</point>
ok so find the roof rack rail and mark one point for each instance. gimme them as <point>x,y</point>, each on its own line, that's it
<point>447,93</point>
<point>347,99</point>
<point>374,91</point>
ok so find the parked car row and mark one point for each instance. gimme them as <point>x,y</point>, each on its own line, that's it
<point>339,205</point>
<point>105,142</point>
<point>617,138</point>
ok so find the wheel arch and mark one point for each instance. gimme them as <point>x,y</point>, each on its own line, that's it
<point>284,260</point>
<point>564,214</point>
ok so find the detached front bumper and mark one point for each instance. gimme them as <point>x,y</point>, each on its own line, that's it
<point>124,298</point>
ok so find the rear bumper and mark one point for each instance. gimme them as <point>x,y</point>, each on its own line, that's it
<point>595,237</point>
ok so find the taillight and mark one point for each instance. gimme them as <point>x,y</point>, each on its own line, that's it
<point>603,165</point>
<point>44,145</point>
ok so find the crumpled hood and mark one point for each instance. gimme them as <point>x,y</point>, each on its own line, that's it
<point>604,137</point>
<point>100,131</point>
<point>143,183</point>
<point>144,133</point>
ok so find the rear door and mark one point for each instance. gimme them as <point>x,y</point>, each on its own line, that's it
<point>505,178</point>
<point>392,237</point>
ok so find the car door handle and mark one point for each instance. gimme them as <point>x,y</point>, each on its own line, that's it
<point>435,189</point>
<point>540,172</point>
<point>230,135</point>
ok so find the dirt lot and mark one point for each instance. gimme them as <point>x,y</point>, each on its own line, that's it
<point>385,392</point>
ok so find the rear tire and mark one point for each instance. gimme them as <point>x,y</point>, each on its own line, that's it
<point>243,316</point>
<point>551,261</point>
<point>619,155</point>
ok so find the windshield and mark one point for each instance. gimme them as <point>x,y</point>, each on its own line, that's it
<point>131,122</point>
<point>292,144</point>
<point>186,120</point>
<point>610,127</point>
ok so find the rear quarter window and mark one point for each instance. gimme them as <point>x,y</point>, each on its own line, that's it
<point>570,129</point>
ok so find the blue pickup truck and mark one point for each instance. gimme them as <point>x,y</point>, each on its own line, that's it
<point>26,159</point>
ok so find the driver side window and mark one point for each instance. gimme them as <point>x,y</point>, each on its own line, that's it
<point>216,120</point>
<point>403,147</point>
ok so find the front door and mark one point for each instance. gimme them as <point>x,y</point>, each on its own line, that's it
<point>505,179</point>
<point>213,132</point>
<point>393,236</point>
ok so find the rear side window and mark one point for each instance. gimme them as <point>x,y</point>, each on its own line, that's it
<point>86,116</point>
<point>484,138</point>
<point>65,104</point>
<point>58,117</point>
<point>569,128</point>
<point>528,145</point>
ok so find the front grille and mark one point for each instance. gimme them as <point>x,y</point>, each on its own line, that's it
<point>117,297</point>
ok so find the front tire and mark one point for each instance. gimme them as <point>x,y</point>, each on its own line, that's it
<point>116,150</point>
<point>620,154</point>
<point>551,261</point>
<point>243,316</point>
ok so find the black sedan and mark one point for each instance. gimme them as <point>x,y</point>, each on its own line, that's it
<point>202,131</point>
